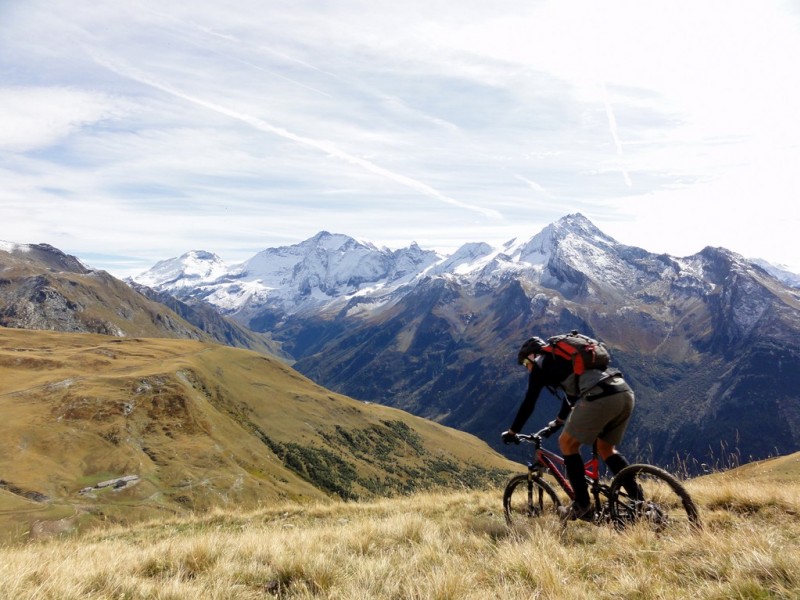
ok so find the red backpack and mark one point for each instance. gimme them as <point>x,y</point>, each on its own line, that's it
<point>584,352</point>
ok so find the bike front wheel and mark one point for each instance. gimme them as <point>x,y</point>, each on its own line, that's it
<point>527,497</point>
<point>662,502</point>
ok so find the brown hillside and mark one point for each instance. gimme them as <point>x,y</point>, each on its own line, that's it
<point>773,470</point>
<point>43,288</point>
<point>125,428</point>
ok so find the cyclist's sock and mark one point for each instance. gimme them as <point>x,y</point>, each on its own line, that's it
<point>577,478</point>
<point>616,462</point>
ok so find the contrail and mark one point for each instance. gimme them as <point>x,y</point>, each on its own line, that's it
<point>191,25</point>
<point>535,186</point>
<point>391,100</point>
<point>194,27</point>
<point>612,125</point>
<point>321,145</point>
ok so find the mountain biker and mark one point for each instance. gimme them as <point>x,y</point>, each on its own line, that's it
<point>599,413</point>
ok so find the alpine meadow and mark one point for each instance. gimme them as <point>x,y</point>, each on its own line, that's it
<point>446,544</point>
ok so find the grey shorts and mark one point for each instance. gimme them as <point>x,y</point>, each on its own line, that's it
<point>605,418</point>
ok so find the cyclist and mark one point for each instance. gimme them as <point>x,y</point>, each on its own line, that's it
<point>600,413</point>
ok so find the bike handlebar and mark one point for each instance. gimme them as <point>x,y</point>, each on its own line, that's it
<point>534,437</point>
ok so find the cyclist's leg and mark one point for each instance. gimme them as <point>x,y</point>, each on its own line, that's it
<point>616,462</point>
<point>606,450</point>
<point>612,435</point>
<point>605,420</point>
<point>573,463</point>
<point>570,446</point>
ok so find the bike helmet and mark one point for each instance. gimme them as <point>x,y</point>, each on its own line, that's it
<point>533,346</point>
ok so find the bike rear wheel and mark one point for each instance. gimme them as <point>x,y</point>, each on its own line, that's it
<point>665,503</point>
<point>528,497</point>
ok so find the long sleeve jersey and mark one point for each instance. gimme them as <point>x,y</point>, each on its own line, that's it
<point>547,371</point>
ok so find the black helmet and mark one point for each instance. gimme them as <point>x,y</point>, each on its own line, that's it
<point>533,346</point>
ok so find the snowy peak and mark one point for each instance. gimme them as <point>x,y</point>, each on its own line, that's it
<point>466,259</point>
<point>411,261</point>
<point>316,271</point>
<point>569,235</point>
<point>331,268</point>
<point>330,271</point>
<point>578,225</point>
<point>321,256</point>
<point>333,264</point>
<point>186,271</point>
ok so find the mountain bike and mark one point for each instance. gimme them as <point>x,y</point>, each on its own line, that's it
<point>662,501</point>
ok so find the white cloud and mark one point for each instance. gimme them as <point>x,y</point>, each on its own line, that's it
<point>166,126</point>
<point>37,117</point>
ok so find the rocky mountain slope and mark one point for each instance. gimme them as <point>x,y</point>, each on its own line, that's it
<point>98,427</point>
<point>709,341</point>
<point>43,288</point>
<point>781,273</point>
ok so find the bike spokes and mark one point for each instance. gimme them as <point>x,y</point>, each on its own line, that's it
<point>526,498</point>
<point>664,503</point>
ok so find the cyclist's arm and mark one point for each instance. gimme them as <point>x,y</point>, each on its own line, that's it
<point>566,408</point>
<point>556,370</point>
<point>535,386</point>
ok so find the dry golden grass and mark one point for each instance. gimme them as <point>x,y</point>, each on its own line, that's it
<point>432,545</point>
<point>200,425</point>
<point>78,409</point>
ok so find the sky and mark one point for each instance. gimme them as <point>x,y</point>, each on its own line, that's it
<point>137,130</point>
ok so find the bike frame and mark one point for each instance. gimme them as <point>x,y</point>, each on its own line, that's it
<point>554,463</point>
<point>548,461</point>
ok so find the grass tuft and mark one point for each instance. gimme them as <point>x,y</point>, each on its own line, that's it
<point>431,545</point>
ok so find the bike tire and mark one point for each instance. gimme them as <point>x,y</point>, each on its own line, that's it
<point>526,498</point>
<point>665,503</point>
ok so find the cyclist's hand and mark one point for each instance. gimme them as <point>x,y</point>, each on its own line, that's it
<point>552,427</point>
<point>509,437</point>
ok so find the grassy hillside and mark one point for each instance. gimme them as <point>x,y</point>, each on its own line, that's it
<point>430,545</point>
<point>123,429</point>
<point>775,470</point>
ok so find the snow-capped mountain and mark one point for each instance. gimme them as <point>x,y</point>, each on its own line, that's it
<point>326,269</point>
<point>330,271</point>
<point>194,268</point>
<point>569,260</point>
<point>706,340</point>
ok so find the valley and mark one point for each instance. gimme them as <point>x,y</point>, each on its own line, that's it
<point>178,426</point>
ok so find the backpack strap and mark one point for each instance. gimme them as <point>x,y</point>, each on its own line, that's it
<point>607,387</point>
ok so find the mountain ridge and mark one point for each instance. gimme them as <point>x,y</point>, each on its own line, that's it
<point>707,340</point>
<point>687,331</point>
<point>43,288</point>
<point>316,274</point>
